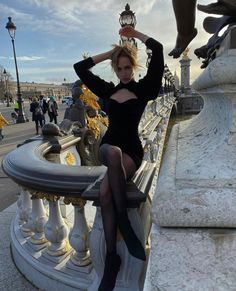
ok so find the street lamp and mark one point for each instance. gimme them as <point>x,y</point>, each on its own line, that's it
<point>10,26</point>
<point>172,83</point>
<point>5,75</point>
<point>166,69</point>
<point>169,74</point>
<point>127,17</point>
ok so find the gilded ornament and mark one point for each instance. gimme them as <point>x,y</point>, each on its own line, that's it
<point>185,53</point>
<point>60,252</point>
<point>42,195</point>
<point>77,201</point>
<point>90,99</point>
<point>70,159</point>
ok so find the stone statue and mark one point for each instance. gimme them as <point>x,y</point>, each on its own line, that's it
<point>213,26</point>
<point>185,53</point>
<point>76,112</point>
<point>185,20</point>
<point>84,118</point>
<point>222,7</point>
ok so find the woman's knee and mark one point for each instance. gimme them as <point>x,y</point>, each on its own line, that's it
<point>114,156</point>
<point>105,197</point>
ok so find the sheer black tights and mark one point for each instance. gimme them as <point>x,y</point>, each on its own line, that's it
<point>113,190</point>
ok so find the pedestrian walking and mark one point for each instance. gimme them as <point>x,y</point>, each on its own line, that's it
<point>52,110</point>
<point>37,114</point>
<point>16,106</point>
<point>44,105</point>
<point>3,122</point>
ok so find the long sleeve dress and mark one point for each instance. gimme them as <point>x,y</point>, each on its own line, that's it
<point>124,117</point>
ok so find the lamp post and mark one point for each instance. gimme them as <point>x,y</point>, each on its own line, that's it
<point>168,81</point>
<point>5,75</point>
<point>172,83</point>
<point>10,26</point>
<point>127,17</point>
<point>166,69</point>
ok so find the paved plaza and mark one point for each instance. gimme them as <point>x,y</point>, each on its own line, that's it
<point>10,277</point>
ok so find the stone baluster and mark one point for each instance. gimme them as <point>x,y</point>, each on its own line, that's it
<point>79,234</point>
<point>24,204</point>
<point>56,232</point>
<point>37,221</point>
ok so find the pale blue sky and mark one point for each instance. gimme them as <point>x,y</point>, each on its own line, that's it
<point>53,34</point>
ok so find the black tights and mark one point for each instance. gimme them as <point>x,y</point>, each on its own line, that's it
<point>37,122</point>
<point>113,191</point>
<point>113,202</point>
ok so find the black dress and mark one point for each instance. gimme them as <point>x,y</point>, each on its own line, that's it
<point>124,117</point>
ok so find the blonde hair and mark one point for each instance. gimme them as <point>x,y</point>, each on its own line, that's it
<point>125,50</point>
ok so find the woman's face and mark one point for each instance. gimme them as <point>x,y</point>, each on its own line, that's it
<point>124,70</point>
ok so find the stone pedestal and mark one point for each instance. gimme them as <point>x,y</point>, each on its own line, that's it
<point>196,189</point>
<point>185,72</point>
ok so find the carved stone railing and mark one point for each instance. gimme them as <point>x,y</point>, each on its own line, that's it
<point>51,238</point>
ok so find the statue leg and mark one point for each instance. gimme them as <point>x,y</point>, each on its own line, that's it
<point>222,7</point>
<point>185,21</point>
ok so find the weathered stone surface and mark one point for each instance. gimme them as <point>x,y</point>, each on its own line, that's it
<point>195,195</point>
<point>197,181</point>
<point>192,259</point>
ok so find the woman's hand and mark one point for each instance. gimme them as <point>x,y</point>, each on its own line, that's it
<point>127,31</point>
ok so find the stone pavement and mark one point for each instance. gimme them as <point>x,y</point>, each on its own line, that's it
<point>10,277</point>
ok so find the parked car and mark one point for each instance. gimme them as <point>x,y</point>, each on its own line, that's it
<point>67,99</point>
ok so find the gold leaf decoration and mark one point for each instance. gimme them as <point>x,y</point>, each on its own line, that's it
<point>90,99</point>
<point>70,159</point>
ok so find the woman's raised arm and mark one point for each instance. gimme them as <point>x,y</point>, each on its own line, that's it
<point>102,57</point>
<point>129,31</point>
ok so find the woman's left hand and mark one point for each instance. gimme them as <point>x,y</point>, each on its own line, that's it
<point>127,31</point>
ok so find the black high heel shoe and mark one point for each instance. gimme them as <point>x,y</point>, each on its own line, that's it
<point>111,270</point>
<point>132,242</point>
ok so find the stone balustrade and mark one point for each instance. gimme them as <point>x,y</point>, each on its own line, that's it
<point>57,236</point>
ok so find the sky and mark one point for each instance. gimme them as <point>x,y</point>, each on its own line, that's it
<point>52,35</point>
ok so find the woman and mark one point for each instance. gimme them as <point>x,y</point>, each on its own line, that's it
<point>37,114</point>
<point>120,149</point>
<point>52,110</point>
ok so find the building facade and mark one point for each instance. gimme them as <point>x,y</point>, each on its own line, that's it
<point>32,89</point>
